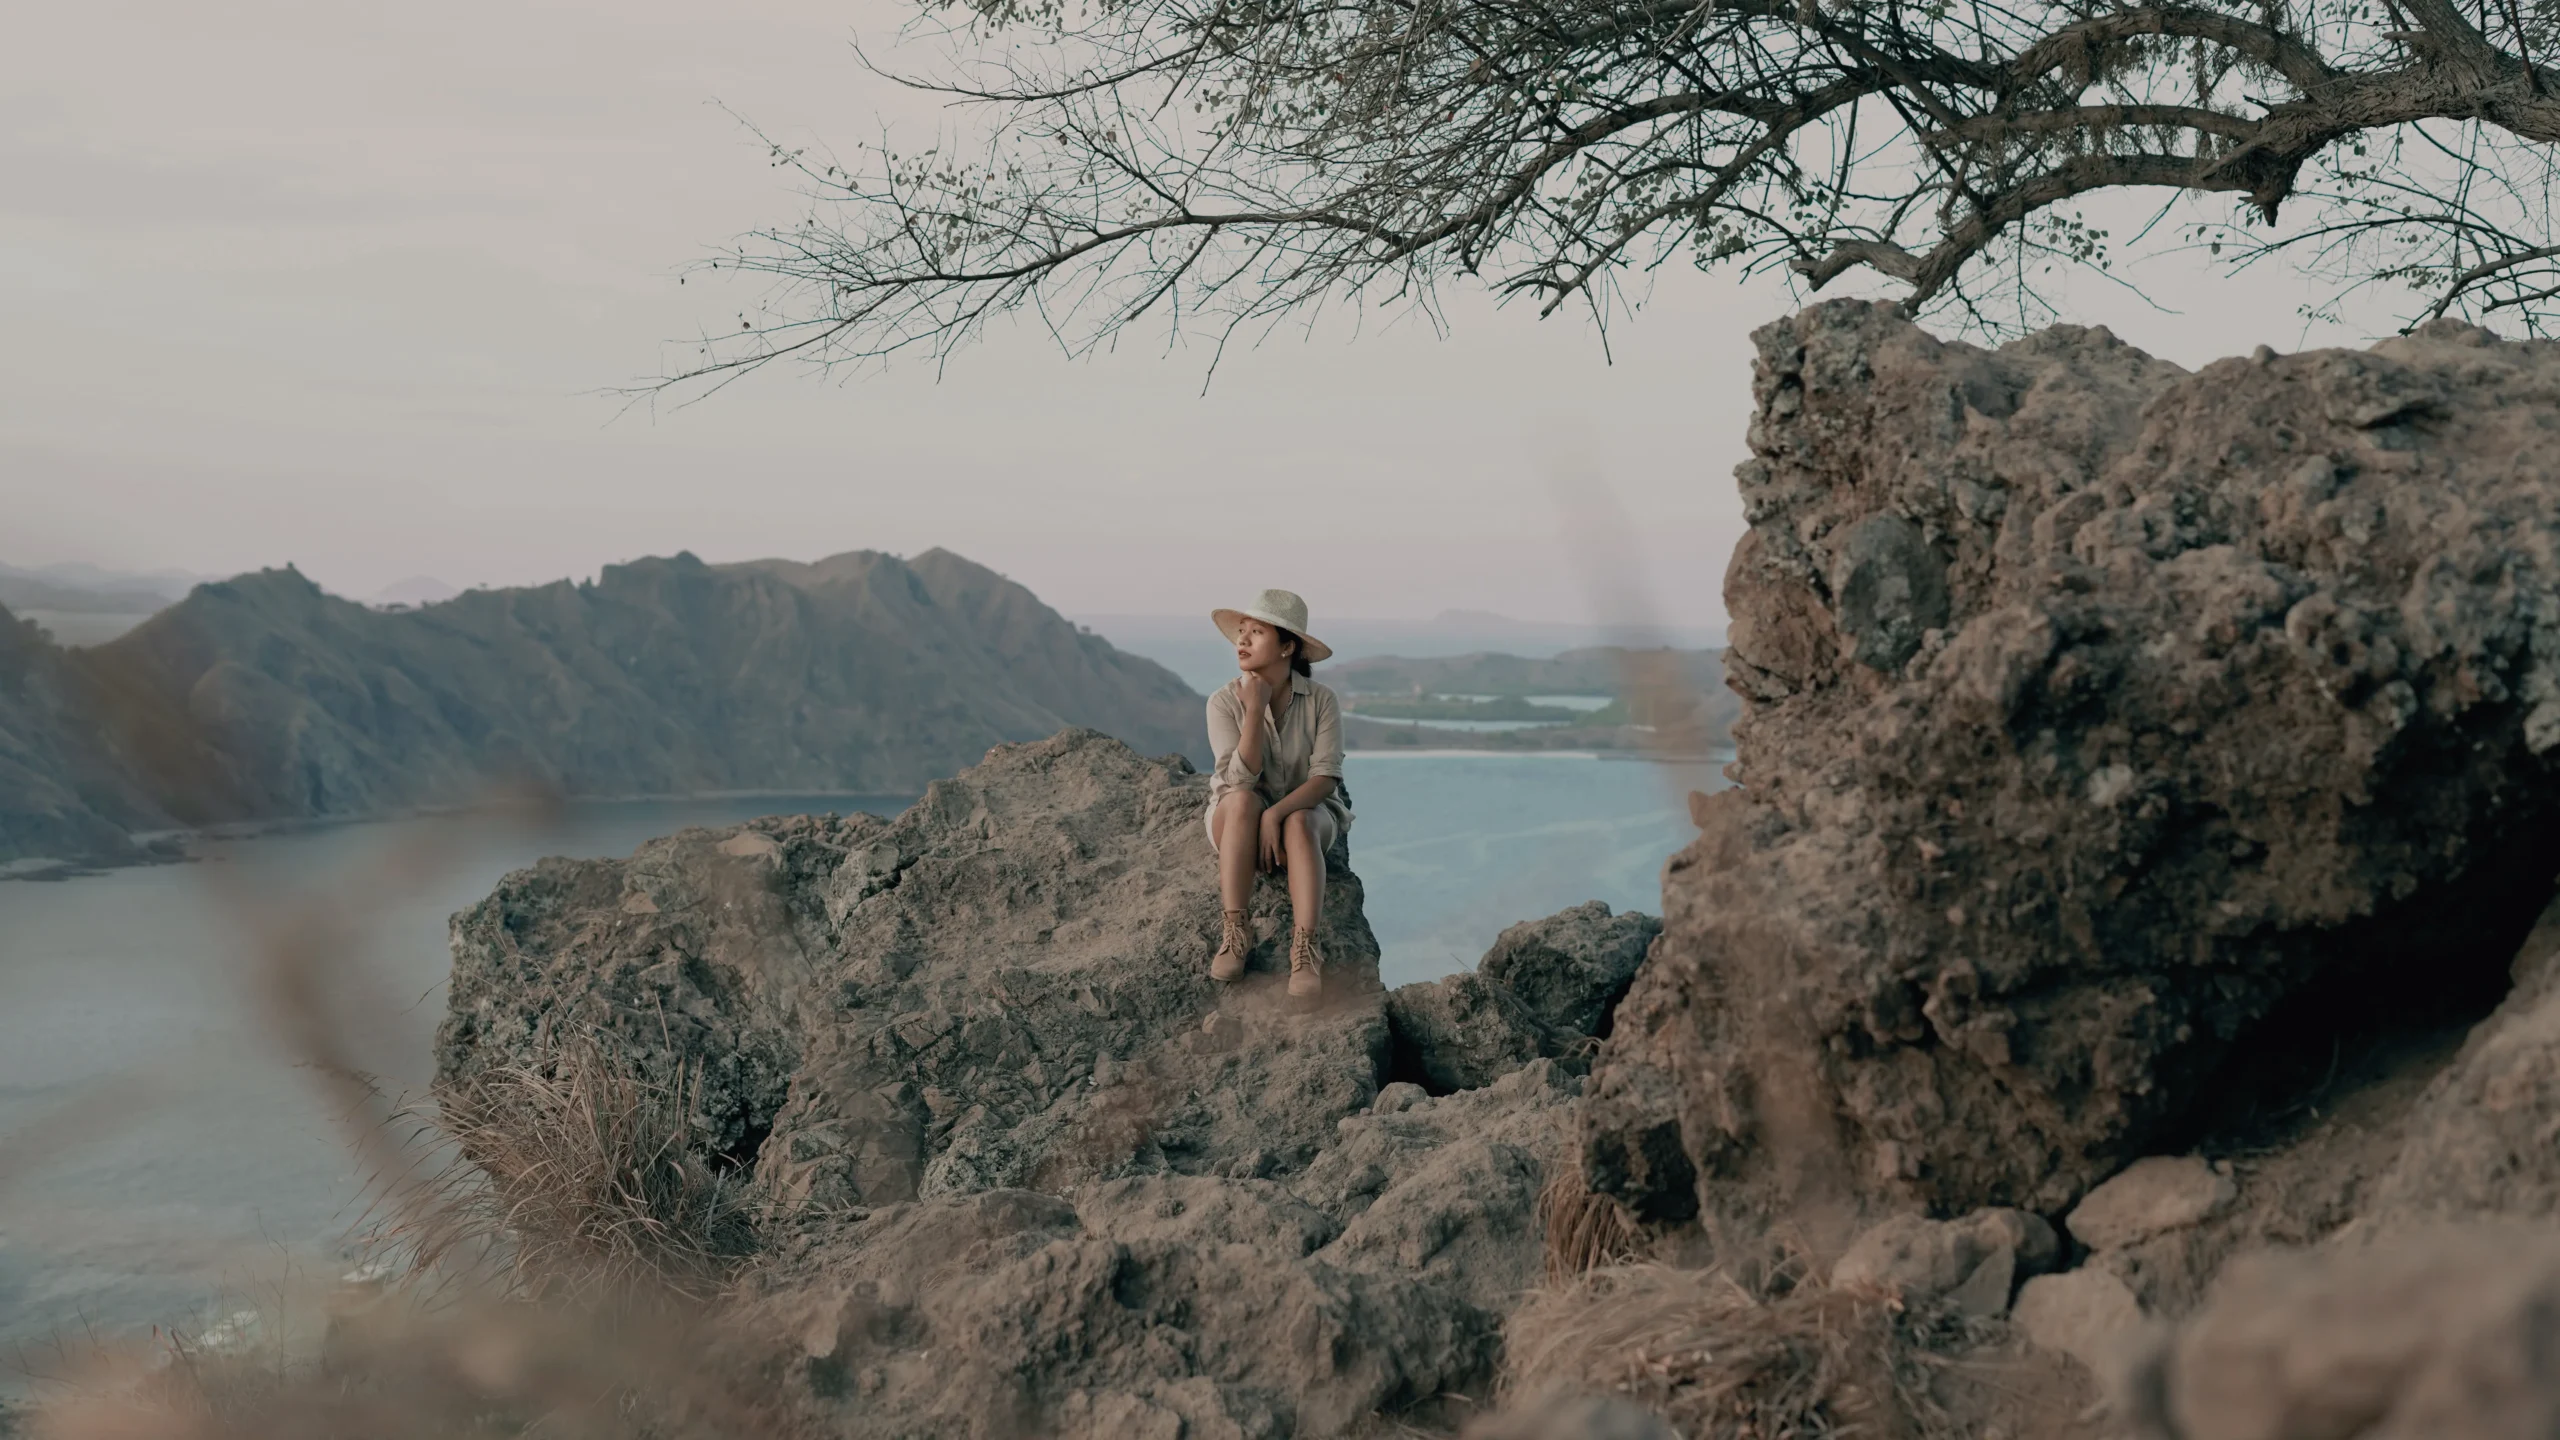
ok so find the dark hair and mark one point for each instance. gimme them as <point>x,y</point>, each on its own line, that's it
<point>1297,650</point>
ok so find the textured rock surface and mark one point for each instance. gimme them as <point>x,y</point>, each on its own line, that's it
<point>1005,987</point>
<point>2412,1130</point>
<point>2151,1196</point>
<point>1359,1294</point>
<point>998,1314</point>
<point>1571,969</point>
<point>1976,1262</point>
<point>2087,1314</point>
<point>2484,1137</point>
<point>2434,1335</point>
<point>1447,1189</point>
<point>1036,1172</point>
<point>2101,717</point>
<point>1460,1031</point>
<point>1547,988</point>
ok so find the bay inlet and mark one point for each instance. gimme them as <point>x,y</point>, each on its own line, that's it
<point>197,1172</point>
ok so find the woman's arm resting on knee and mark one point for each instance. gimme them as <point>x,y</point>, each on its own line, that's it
<point>1305,797</point>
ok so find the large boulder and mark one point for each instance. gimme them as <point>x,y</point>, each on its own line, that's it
<point>2403,1131</point>
<point>2103,722</point>
<point>2432,1334</point>
<point>1570,969</point>
<point>1005,987</point>
<point>1546,990</point>
<point>1026,1169</point>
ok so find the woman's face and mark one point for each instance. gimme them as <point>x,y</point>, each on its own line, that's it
<point>1257,646</point>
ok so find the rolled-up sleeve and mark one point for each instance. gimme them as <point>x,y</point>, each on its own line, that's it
<point>1327,756</point>
<point>1226,734</point>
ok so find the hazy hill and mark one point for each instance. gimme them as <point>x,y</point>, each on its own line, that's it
<point>263,697</point>
<point>415,590</point>
<point>83,590</point>
<point>57,794</point>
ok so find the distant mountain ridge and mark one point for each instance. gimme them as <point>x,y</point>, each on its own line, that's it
<point>262,697</point>
<point>87,589</point>
<point>1193,647</point>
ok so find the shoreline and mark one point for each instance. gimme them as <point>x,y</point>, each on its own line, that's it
<point>179,846</point>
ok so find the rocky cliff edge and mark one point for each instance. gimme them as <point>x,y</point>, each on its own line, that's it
<point>2116,736</point>
<point>1026,1168</point>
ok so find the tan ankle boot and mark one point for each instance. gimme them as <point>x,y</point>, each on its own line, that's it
<point>1235,942</point>
<point>1306,967</point>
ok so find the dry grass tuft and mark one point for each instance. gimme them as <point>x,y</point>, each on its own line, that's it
<point>1585,1229</point>
<point>575,1181</point>
<point>1722,1363</point>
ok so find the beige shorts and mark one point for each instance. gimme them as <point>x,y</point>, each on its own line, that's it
<point>1320,819</point>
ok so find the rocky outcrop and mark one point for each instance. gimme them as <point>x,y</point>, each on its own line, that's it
<point>1547,989</point>
<point>2144,790</point>
<point>1030,1170</point>
<point>2446,1127</point>
<point>2442,1334</point>
<point>2106,724</point>
<point>1005,987</point>
<point>1364,1292</point>
<point>1001,1314</point>
<point>2478,1140</point>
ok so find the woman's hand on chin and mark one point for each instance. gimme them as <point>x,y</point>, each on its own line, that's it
<point>1253,690</point>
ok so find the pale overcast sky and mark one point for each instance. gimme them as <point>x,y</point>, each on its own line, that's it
<point>332,282</point>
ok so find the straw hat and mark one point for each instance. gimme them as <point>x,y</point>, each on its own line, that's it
<point>1275,607</point>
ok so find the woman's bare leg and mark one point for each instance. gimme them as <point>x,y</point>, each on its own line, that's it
<point>1239,848</point>
<point>1238,826</point>
<point>1306,871</point>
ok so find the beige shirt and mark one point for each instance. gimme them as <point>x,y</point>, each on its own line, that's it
<point>1305,742</point>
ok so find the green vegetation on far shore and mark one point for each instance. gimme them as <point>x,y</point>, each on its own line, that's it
<point>1594,670</point>
<point>1461,707</point>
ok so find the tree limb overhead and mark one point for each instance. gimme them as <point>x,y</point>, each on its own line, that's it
<point>1227,163</point>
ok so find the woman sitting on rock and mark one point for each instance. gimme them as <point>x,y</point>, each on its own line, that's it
<point>1276,800</point>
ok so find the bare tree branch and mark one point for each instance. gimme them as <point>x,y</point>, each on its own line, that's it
<point>1221,164</point>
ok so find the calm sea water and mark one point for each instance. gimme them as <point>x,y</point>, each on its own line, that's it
<point>1453,847</point>
<point>159,1163</point>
